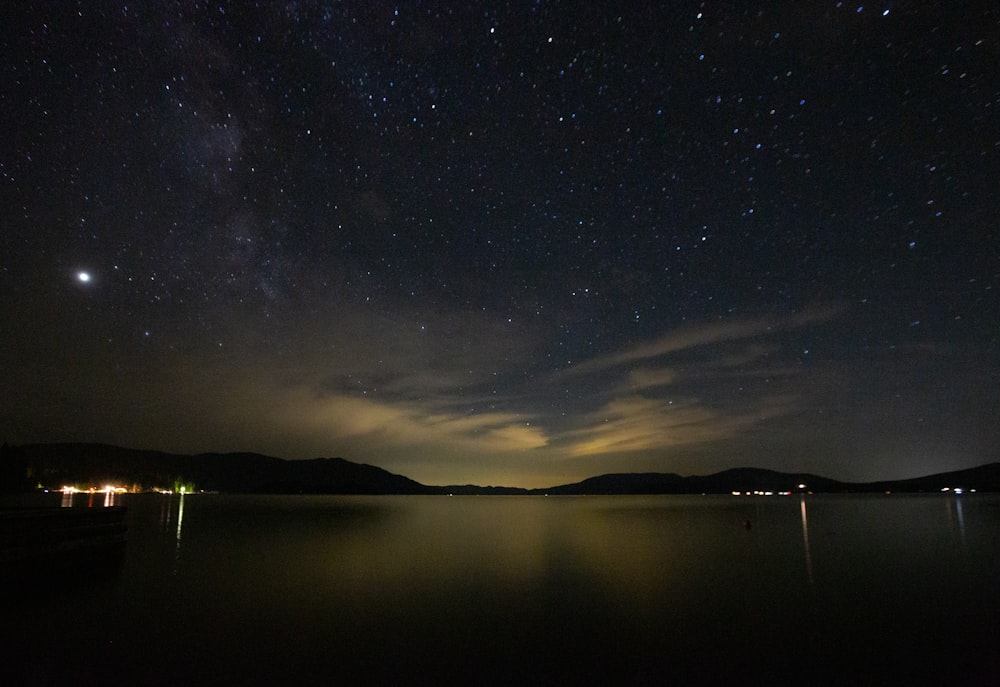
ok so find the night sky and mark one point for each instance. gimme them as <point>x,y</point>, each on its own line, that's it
<point>515,243</point>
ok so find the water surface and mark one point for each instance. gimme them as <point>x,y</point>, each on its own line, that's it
<point>528,590</point>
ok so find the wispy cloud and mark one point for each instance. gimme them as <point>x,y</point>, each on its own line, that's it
<point>637,423</point>
<point>418,425</point>
<point>650,378</point>
<point>686,387</point>
<point>452,401</point>
<point>703,335</point>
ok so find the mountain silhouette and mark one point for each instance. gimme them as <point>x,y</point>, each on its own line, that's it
<point>25,467</point>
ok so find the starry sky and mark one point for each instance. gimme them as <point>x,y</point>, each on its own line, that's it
<point>515,243</point>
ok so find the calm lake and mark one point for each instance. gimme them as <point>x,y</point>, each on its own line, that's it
<point>217,589</point>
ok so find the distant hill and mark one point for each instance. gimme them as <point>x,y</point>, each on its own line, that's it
<point>982,478</point>
<point>53,465</point>
<point>738,479</point>
<point>985,478</point>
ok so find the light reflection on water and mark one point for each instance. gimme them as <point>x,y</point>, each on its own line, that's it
<point>805,537</point>
<point>172,520</point>
<point>501,589</point>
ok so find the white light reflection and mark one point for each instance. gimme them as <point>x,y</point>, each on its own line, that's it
<point>805,537</point>
<point>180,522</point>
<point>961,520</point>
<point>165,512</point>
<point>180,519</point>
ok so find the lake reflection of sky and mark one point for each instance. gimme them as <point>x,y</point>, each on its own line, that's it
<point>494,589</point>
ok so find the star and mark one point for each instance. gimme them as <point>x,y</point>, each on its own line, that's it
<point>528,194</point>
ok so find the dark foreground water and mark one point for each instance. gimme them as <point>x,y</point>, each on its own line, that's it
<point>524,590</point>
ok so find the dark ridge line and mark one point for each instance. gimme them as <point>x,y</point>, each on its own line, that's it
<point>23,468</point>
